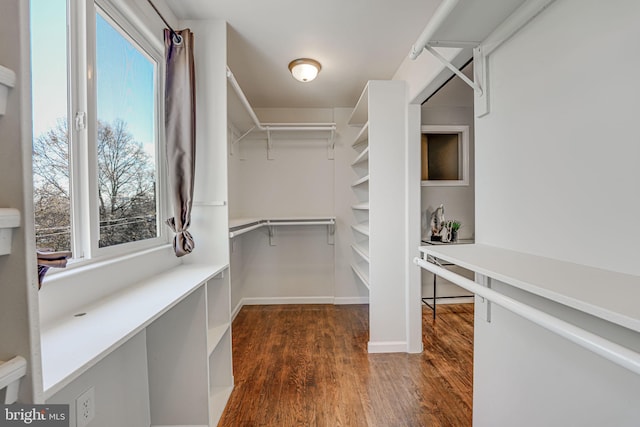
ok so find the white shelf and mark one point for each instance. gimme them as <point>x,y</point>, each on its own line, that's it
<point>362,251</point>
<point>362,157</point>
<point>214,336</point>
<point>605,294</point>
<point>238,227</point>
<point>361,228</point>
<point>360,114</point>
<point>9,219</point>
<point>364,206</point>
<point>71,345</point>
<point>361,181</point>
<point>362,137</point>
<point>7,81</point>
<point>242,222</point>
<point>364,277</point>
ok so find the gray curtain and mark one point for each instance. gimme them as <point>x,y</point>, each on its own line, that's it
<point>180,132</point>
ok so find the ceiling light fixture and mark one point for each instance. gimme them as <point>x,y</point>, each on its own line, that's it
<point>304,69</point>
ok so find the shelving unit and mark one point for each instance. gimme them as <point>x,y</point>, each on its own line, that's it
<point>360,186</point>
<point>143,303</point>
<point>379,209</point>
<point>219,343</point>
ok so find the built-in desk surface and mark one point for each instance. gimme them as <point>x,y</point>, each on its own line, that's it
<point>606,294</point>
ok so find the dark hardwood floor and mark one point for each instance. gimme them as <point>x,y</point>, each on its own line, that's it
<point>307,365</point>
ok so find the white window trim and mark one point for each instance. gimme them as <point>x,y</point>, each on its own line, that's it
<point>82,98</point>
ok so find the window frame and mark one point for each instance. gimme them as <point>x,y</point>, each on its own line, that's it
<point>82,97</point>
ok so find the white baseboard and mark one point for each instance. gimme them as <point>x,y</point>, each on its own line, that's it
<point>296,300</point>
<point>287,300</point>
<point>350,300</point>
<point>387,347</point>
<point>236,310</point>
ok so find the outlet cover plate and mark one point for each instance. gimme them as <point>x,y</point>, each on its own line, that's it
<point>85,408</point>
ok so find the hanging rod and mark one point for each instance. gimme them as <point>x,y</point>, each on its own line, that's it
<point>609,350</point>
<point>272,126</point>
<point>176,37</point>
<point>439,16</point>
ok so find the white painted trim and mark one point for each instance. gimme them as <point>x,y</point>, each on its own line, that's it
<point>463,132</point>
<point>287,300</point>
<point>297,300</point>
<point>350,300</point>
<point>236,310</point>
<point>413,229</point>
<point>387,347</point>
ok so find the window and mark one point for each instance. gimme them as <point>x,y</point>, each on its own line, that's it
<point>445,155</point>
<point>95,127</point>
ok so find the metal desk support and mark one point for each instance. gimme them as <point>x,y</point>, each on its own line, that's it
<point>435,261</point>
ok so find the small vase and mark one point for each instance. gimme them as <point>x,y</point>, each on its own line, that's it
<point>454,236</point>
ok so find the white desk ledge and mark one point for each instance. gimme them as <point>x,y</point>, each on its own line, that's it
<point>609,295</point>
<point>72,345</point>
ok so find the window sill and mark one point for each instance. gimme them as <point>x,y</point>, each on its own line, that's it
<point>80,265</point>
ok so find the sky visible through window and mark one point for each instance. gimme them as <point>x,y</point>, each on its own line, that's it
<point>128,96</point>
<point>123,131</point>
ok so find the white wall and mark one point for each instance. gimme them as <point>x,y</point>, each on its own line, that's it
<point>121,387</point>
<point>557,156</point>
<point>209,218</point>
<point>18,281</point>
<point>299,181</point>
<point>556,176</point>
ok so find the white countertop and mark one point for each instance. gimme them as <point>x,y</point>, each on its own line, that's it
<point>606,294</point>
<point>72,345</point>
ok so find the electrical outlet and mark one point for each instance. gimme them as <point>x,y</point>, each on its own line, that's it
<point>85,408</point>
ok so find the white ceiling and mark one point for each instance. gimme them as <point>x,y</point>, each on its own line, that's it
<point>354,40</point>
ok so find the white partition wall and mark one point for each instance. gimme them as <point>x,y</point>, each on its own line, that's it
<point>557,176</point>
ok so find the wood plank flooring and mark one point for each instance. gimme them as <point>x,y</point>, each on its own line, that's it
<point>307,365</point>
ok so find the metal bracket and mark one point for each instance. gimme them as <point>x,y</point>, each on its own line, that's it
<point>269,145</point>
<point>240,138</point>
<point>332,145</point>
<point>272,234</point>
<point>331,233</point>
<point>480,71</point>
<point>483,280</point>
<point>455,69</point>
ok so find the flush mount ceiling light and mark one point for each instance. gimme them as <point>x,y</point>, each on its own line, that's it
<point>304,69</point>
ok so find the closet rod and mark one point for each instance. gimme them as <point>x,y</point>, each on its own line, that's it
<point>273,126</point>
<point>176,37</point>
<point>439,16</point>
<point>611,351</point>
